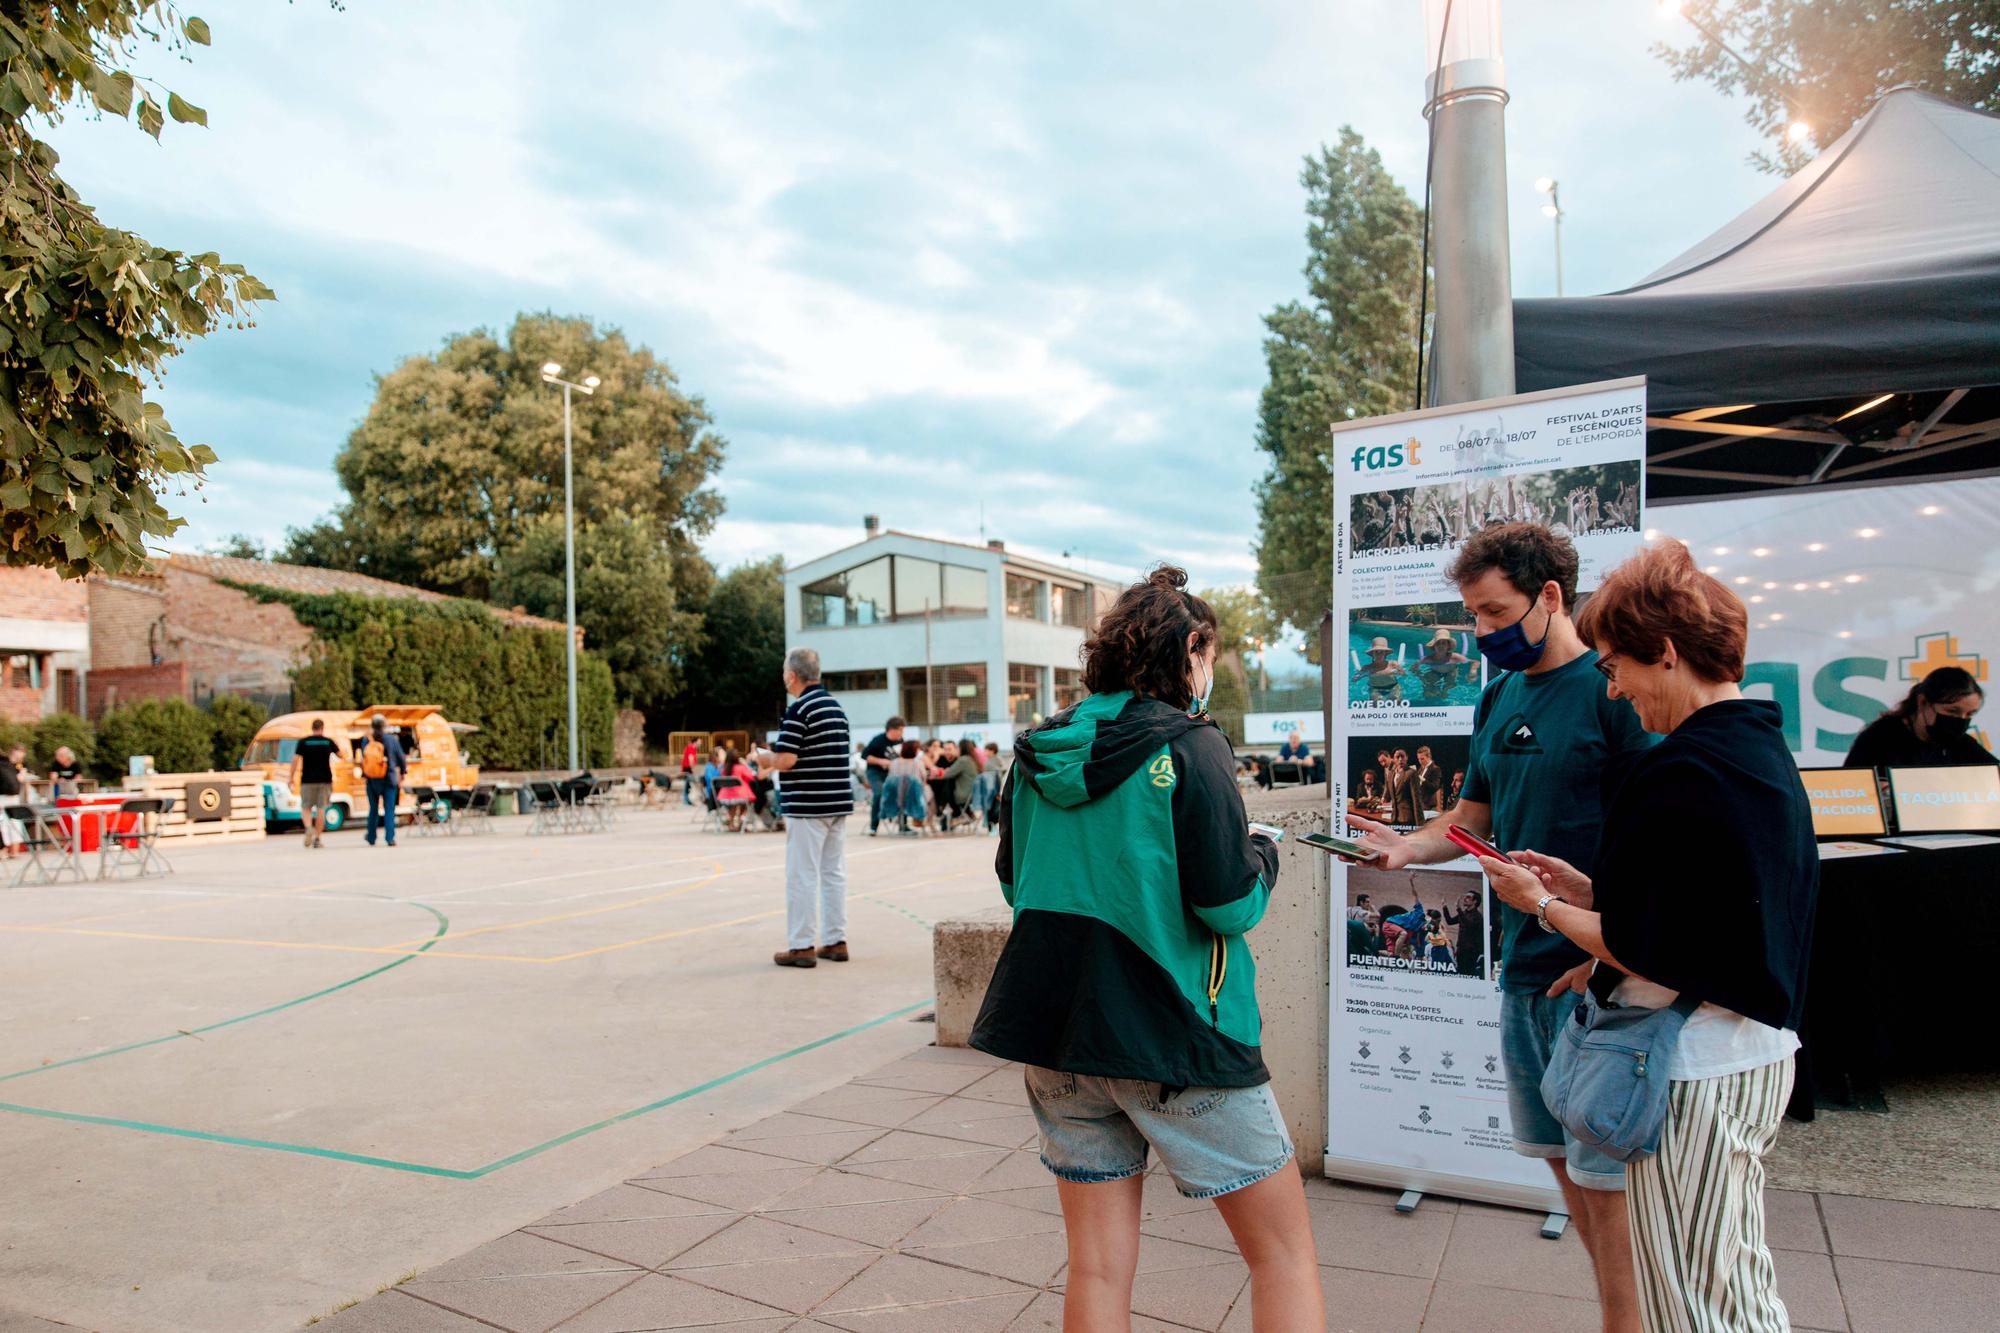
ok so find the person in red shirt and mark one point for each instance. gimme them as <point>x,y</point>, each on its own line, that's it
<point>688,757</point>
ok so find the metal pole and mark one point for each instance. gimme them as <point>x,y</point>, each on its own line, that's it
<point>569,584</point>
<point>1472,351</point>
<point>930,688</point>
<point>1555,200</point>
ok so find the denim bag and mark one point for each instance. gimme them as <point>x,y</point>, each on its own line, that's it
<point>1607,1077</point>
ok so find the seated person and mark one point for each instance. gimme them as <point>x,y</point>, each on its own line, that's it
<point>1928,729</point>
<point>741,794</point>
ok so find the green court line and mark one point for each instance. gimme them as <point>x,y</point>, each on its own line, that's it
<point>455,1173</point>
<point>443,925</point>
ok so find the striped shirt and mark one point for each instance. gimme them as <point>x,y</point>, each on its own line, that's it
<point>818,786</point>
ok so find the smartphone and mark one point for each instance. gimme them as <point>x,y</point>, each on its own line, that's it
<point>1271,831</point>
<point>1473,843</point>
<point>1340,846</point>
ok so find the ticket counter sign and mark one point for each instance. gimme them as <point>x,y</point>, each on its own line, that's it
<point>1846,802</point>
<point>1946,800</point>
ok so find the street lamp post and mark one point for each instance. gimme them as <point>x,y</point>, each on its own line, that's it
<point>552,374</point>
<point>1553,210</point>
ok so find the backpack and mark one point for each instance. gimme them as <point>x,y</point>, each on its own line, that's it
<point>375,760</point>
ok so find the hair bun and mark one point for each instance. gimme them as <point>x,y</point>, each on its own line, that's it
<point>1171,577</point>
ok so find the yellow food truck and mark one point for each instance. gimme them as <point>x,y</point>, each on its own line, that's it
<point>429,739</point>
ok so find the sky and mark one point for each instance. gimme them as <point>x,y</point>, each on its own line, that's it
<point>988,271</point>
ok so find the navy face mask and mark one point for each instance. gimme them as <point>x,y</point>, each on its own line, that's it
<point>1509,648</point>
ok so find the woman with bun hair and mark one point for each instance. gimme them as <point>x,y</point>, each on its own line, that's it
<point>1126,988</point>
<point>1929,729</point>
<point>1703,891</point>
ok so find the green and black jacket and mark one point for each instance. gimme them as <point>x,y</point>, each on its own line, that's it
<point>1125,855</point>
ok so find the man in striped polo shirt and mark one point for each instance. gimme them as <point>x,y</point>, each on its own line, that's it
<point>811,752</point>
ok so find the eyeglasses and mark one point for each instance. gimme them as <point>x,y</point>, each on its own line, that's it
<point>1605,669</point>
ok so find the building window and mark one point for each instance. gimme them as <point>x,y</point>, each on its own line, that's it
<point>943,590</point>
<point>1024,692</point>
<point>1069,687</point>
<point>964,591</point>
<point>959,692</point>
<point>858,596</point>
<point>1024,597</point>
<point>856,682</point>
<point>1069,606</point>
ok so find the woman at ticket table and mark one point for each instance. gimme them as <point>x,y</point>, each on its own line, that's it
<point>1929,729</point>
<point>1706,875</point>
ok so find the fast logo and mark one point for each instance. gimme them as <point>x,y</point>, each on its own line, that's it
<point>1368,459</point>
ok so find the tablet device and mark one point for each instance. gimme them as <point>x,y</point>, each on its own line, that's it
<point>1946,800</point>
<point>1473,843</point>
<point>1846,802</point>
<point>1339,846</point>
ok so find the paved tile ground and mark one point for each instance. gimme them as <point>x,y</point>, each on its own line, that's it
<point>911,1199</point>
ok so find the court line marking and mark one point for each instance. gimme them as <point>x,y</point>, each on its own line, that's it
<point>200,902</point>
<point>444,924</point>
<point>457,1173</point>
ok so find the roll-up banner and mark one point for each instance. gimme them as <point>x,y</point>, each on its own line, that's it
<point>1417,1095</point>
<point>1853,595</point>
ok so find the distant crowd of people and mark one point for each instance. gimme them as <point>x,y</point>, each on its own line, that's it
<point>933,786</point>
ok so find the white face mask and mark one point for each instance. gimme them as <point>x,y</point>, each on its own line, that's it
<point>1199,704</point>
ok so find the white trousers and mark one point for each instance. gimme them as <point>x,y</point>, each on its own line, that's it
<point>815,882</point>
<point>1697,1208</point>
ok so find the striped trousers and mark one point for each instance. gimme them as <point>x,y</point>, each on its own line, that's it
<point>1697,1208</point>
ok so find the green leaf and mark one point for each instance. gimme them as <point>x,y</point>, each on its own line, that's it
<point>112,91</point>
<point>15,494</point>
<point>197,31</point>
<point>250,289</point>
<point>150,119</point>
<point>184,111</point>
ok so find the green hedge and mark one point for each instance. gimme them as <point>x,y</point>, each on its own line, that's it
<point>57,730</point>
<point>508,681</point>
<point>234,720</point>
<point>179,736</point>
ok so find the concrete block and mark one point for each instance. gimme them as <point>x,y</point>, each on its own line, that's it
<point>1293,985</point>
<point>964,952</point>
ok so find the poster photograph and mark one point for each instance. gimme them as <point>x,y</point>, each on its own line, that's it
<point>1423,655</point>
<point>1420,921</point>
<point>1405,778</point>
<point>1576,502</point>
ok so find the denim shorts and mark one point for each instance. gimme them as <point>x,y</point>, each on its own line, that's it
<point>1528,1027</point>
<point>1211,1140</point>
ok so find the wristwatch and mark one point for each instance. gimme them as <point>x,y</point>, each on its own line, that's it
<point>1542,910</point>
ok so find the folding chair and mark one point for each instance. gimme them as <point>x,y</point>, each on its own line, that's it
<point>551,810</point>
<point>600,803</point>
<point>711,812</point>
<point>746,804</point>
<point>1287,773</point>
<point>136,845</point>
<point>43,835</point>
<point>433,814</point>
<point>476,815</point>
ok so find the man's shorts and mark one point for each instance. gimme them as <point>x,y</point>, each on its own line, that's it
<point>1211,1140</point>
<point>315,796</point>
<point>1528,1027</point>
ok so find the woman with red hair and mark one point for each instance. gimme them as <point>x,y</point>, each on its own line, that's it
<point>1702,898</point>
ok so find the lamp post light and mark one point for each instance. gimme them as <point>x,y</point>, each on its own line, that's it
<point>1553,210</point>
<point>552,374</point>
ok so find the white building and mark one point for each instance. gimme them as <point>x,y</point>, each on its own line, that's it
<point>959,640</point>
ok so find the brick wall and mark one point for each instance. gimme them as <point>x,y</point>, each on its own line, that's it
<point>123,613</point>
<point>116,686</point>
<point>20,703</point>
<point>40,594</point>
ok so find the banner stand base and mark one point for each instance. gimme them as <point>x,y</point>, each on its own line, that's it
<point>1554,1225</point>
<point>1408,1203</point>
<point>1415,1181</point>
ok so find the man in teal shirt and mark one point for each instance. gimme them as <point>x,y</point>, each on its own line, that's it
<point>1544,733</point>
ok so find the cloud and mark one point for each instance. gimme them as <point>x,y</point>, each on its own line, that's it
<point>1008,263</point>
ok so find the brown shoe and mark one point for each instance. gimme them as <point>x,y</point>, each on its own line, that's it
<point>795,958</point>
<point>834,953</point>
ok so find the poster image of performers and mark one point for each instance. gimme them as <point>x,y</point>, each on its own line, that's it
<point>1425,654</point>
<point>1418,921</point>
<point>1575,501</point>
<point>1404,779</point>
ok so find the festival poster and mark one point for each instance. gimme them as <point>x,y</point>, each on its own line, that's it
<point>1417,1095</point>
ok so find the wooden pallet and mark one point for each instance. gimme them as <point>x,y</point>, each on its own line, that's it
<point>244,823</point>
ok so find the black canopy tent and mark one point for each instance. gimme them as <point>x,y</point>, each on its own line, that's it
<point>1843,330</point>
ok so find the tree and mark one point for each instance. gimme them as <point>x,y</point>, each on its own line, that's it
<point>628,599</point>
<point>235,720</point>
<point>460,457</point>
<point>88,311</point>
<point>733,678</point>
<point>1348,351</point>
<point>57,730</point>
<point>1244,623</point>
<point>179,737</point>
<point>240,545</point>
<point>1824,62</point>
